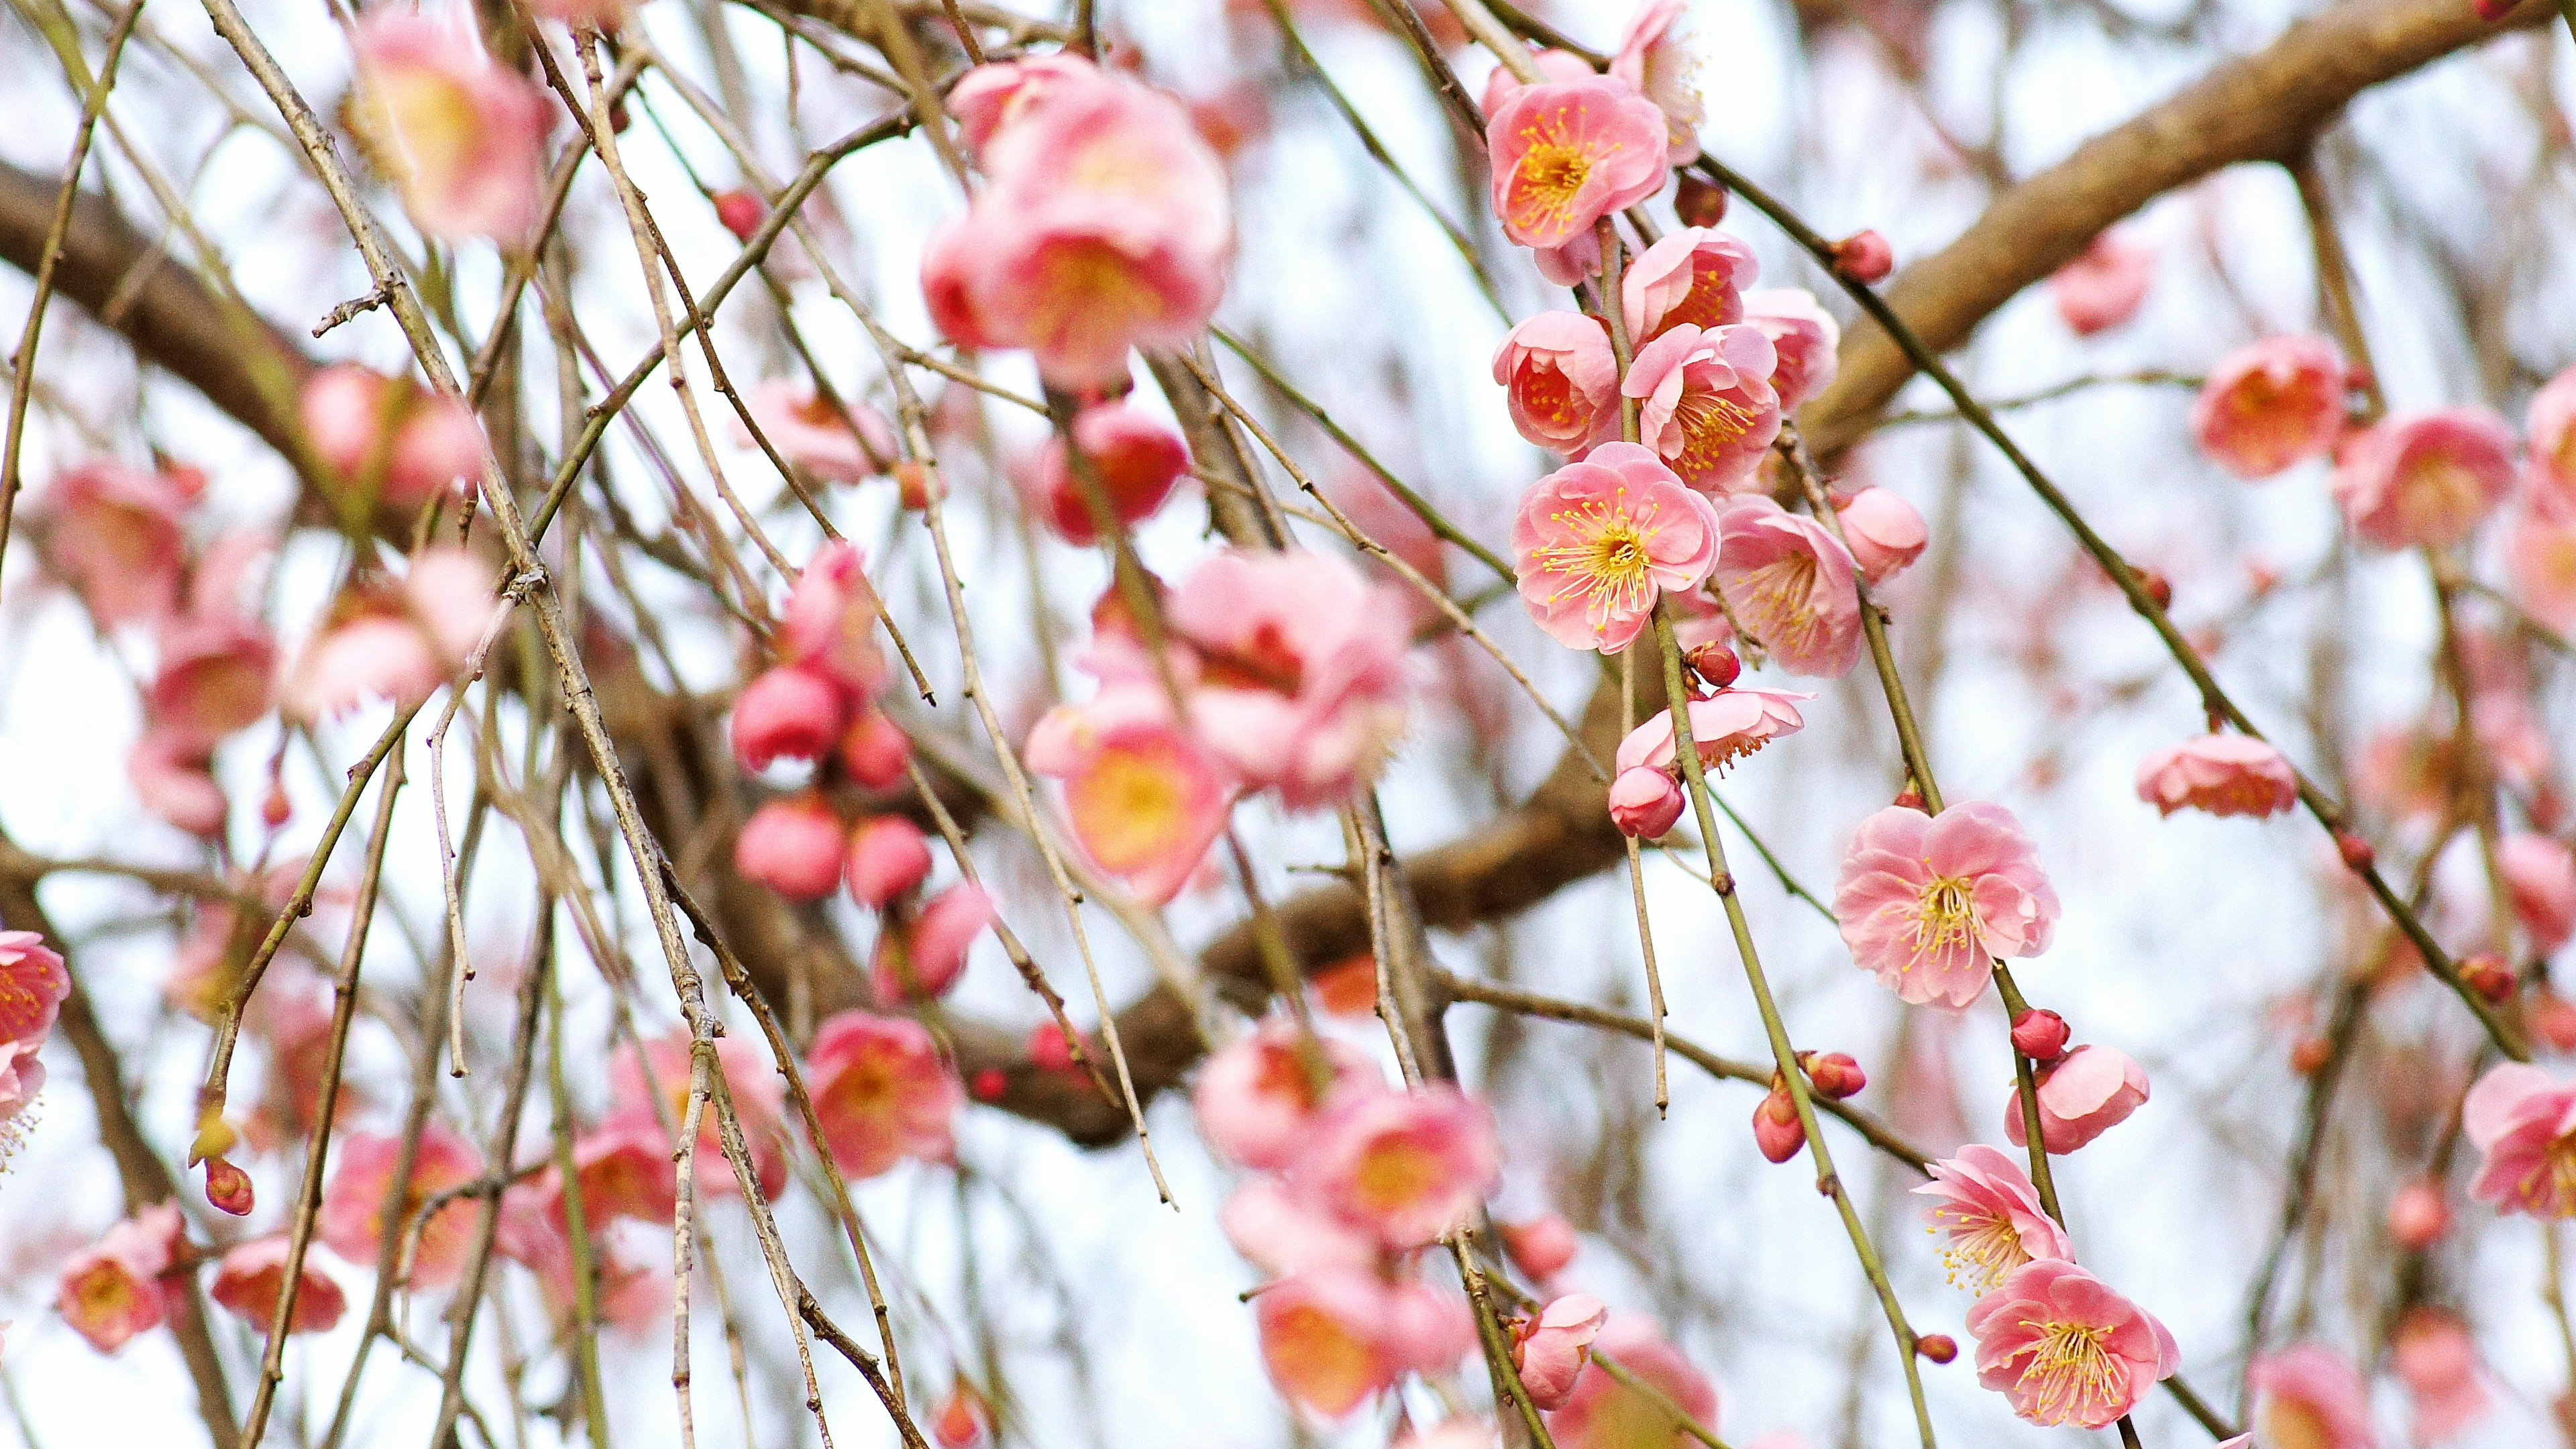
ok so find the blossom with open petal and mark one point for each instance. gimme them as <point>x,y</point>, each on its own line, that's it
<point>624,1168</point>
<point>2524,1122</point>
<point>1408,1166</point>
<point>216,676</point>
<point>399,642</point>
<point>759,1103</point>
<point>112,533</point>
<point>1283,1233</point>
<point>458,134</point>
<point>1803,334</point>
<point>22,1076</point>
<point>1145,797</point>
<point>33,983</point>
<point>1928,903</point>
<point>2540,561</point>
<point>1704,405</point>
<point>2549,430</point>
<point>1693,278</point>
<point>2222,774</point>
<point>1725,727</point>
<point>2540,877</point>
<point>881,1092</point>
<point>2434,1355</point>
<point>111,1290</point>
<point>1567,154</point>
<point>2065,1348</point>
<point>2270,404</point>
<point>2425,479</point>
<point>1653,57</point>
<point>830,622</point>
<point>992,96</point>
<point>173,775</point>
<point>360,1212</point>
<point>1596,542</point>
<point>2082,1095</point>
<point>387,439</point>
<point>1553,1351</point>
<point>850,443</point>
<point>1989,1217</point>
<point>1334,1337</point>
<point>2309,1395</point>
<point>1604,1413</point>
<point>1255,1099</point>
<point>1788,583</point>
<point>248,1279</point>
<point>2106,282</point>
<point>1560,381</point>
<point>922,959</point>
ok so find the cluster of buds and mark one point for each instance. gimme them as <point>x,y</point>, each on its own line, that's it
<point>1776,1128</point>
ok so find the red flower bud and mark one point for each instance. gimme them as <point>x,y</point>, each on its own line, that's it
<point>2040,1035</point>
<point>2309,1055</point>
<point>1715,663</point>
<point>1699,201</point>
<point>1835,1074</point>
<point>275,808</point>
<point>1776,1128</point>
<point>2487,974</point>
<point>1864,257</point>
<point>2356,852</point>
<point>740,212</point>
<point>2158,587</point>
<point>987,1085</point>
<point>228,1187</point>
<point>912,484</point>
<point>1938,1347</point>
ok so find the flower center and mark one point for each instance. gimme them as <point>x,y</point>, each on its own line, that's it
<point>1982,1248</point>
<point>2069,1371</point>
<point>1552,173</point>
<point>1945,916</point>
<point>1604,556</point>
<point>1777,601</point>
<point>1711,422</point>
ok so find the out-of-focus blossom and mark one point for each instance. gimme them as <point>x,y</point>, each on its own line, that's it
<point>1134,458</point>
<point>1566,154</point>
<point>2309,1394</point>
<point>991,96</point>
<point>1541,1246</point>
<point>1884,533</point>
<point>829,624</point>
<point>1603,1413</point>
<point>2540,875</point>
<point>2082,1095</point>
<point>2549,430</point>
<point>2271,404</point>
<point>1703,403</point>
<point>2103,286</point>
<point>792,846</point>
<point>1725,727</point>
<point>111,1290</point>
<point>888,856</point>
<point>360,1211</point>
<point>2437,1360</point>
<point>1989,1217</point>
<point>1803,335</point>
<point>1653,57</point>
<point>2417,1216</point>
<point>459,135</point>
<point>1788,583</point>
<point>1333,1337</point>
<point>881,1093</point>
<point>1595,543</point>
<point>1283,1233</point>
<point>2065,1348</point>
<point>1145,797</point>
<point>249,1278</point>
<point>1256,1100</point>
<point>2425,479</point>
<point>174,778</point>
<point>112,534</point>
<point>2222,774</point>
<point>624,1169</point>
<point>387,439</point>
<point>923,959</point>
<point>874,750</point>
<point>33,983</point>
<point>1927,903</point>
<point>1406,1166</point>
<point>808,431</point>
<point>2540,559</point>
<point>759,1100</point>
<point>22,1076</point>
<point>961,1419</point>
<point>790,714</point>
<point>2525,1123</point>
<point>1552,1353</point>
<point>1560,380</point>
<point>398,643</point>
<point>215,676</point>
<point>1693,278</point>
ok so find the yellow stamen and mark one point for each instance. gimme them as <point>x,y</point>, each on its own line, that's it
<point>1981,1249</point>
<point>2069,1370</point>
<point>1945,917</point>
<point>1607,556</point>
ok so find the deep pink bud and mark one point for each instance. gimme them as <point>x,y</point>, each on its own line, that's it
<point>1938,1347</point>
<point>274,808</point>
<point>1835,1074</point>
<point>1864,256</point>
<point>786,714</point>
<point>2417,1216</point>
<point>1135,459</point>
<point>1698,201</point>
<point>2487,974</point>
<point>739,212</point>
<point>2554,1018</point>
<point>1541,1246</point>
<point>875,751</point>
<point>1715,663</point>
<point>2157,586</point>
<point>2308,1055</point>
<point>2040,1035</point>
<point>1645,802</point>
<point>888,857</point>
<point>1884,532</point>
<point>1908,798</point>
<point>228,1187</point>
<point>792,846</point>
<point>2356,852</point>
<point>1048,1049</point>
<point>1776,1128</point>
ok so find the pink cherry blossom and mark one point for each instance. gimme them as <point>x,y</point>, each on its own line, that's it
<point>359,1213</point>
<point>1788,583</point>
<point>792,846</point>
<point>829,624</point>
<point>992,96</point>
<point>1703,403</point>
<point>809,432</point>
<point>1406,1166</point>
<point>1145,797</point>
<point>759,1101</point>
<point>22,1076</point>
<point>2271,404</point>
<point>112,534</point>
<point>111,1290</point>
<point>249,1278</point>
<point>1884,533</point>
<point>1693,278</point>
<point>888,856</point>
<point>1135,459</point>
<point>1567,154</point>
<point>2549,429</point>
<point>1301,687</point>
<point>1255,1100</point>
<point>874,750</point>
<point>2082,1095</point>
<point>1552,1353</point>
<point>33,983</point>
<point>460,135</point>
<point>388,439</point>
<point>1725,727</point>
<point>1645,802</point>
<point>1559,66</point>
<point>1990,1218</point>
<point>2065,1348</point>
<point>2425,479</point>
<point>1334,1337</point>
<point>2540,559</point>
<point>2525,1124</point>
<point>924,957</point>
<point>215,677</point>
<point>1541,1246</point>
<point>1560,380</point>
<point>173,775</point>
<point>1603,1413</point>
<point>881,1093</point>
<point>1596,542</point>
<point>1282,1233</point>
<point>2434,1355</point>
<point>2103,286</point>
<point>1928,903</point>
<point>2222,774</point>
<point>2540,876</point>
<point>1653,58</point>
<point>2308,1394</point>
<point>1804,335</point>
<point>399,642</point>
<point>624,1169</point>
<point>790,714</point>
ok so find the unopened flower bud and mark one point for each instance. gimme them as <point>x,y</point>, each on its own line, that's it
<point>1776,1128</point>
<point>1049,1048</point>
<point>2554,1018</point>
<point>1699,201</point>
<point>2040,1035</point>
<point>1715,663</point>
<point>912,484</point>
<point>2417,1216</point>
<point>2156,585</point>
<point>2356,852</point>
<point>2487,974</point>
<point>1864,256</point>
<point>2309,1056</point>
<point>1938,1347</point>
<point>1835,1074</point>
<point>228,1187</point>
<point>987,1084</point>
<point>1645,802</point>
<point>275,808</point>
<point>739,212</point>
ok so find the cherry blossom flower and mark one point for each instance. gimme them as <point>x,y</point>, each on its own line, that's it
<point>874,750</point>
<point>2222,774</point>
<point>459,135</point>
<point>215,676</point>
<point>1407,1166</point>
<point>33,983</point>
<point>829,624</point>
<point>2437,1360</point>
<point>1541,1246</point>
<point>2271,404</point>
<point>1301,688</point>
<point>888,857</point>
<point>111,1290</point>
<point>1596,542</point>
<point>881,1093</point>
<point>1552,1352</point>
<point>2525,1124</point>
<point>1603,1413</point>
<point>388,440</point>
<point>1725,727</point>
<point>1653,58</point>
<point>1693,278</point>
<point>1928,903</point>
<point>2103,286</point>
<point>1557,66</point>
<point>1567,154</point>
<point>2082,1095</point>
<point>1644,802</point>
<point>1803,334</point>
<point>359,1217</point>
<point>1788,583</point>
<point>1334,1337</point>
<point>759,1100</point>
<point>2425,479</point>
<point>2540,876</point>
<point>792,846</point>
<point>2540,560</point>
<point>1990,1218</point>
<point>1560,380</point>
<point>624,1169</point>
<point>2549,429</point>
<point>2308,1394</point>
<point>1282,1233</point>
<point>2065,1348</point>
<point>400,642</point>
<point>922,959</point>
<point>249,1278</point>
<point>787,714</point>
<point>1883,532</point>
<point>811,433</point>
<point>1145,797</point>
<point>112,534</point>
<point>1255,1100</point>
<point>1703,404</point>
<point>1135,459</point>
